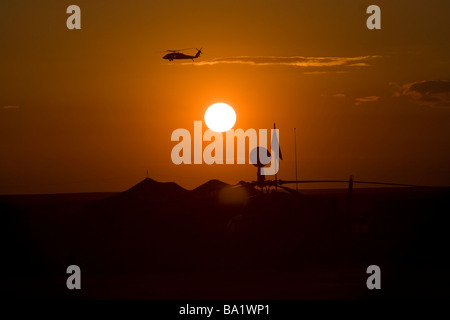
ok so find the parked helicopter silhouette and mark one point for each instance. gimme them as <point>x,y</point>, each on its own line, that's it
<point>262,183</point>
<point>177,55</point>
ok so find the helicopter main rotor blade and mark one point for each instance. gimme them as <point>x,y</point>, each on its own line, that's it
<point>178,50</point>
<point>288,189</point>
<point>174,50</point>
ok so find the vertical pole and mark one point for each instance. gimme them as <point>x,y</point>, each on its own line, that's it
<point>276,176</point>
<point>349,198</point>
<point>295,148</point>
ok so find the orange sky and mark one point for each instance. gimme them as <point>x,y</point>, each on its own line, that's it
<point>93,109</point>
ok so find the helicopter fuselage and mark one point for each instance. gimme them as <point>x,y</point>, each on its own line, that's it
<point>178,56</point>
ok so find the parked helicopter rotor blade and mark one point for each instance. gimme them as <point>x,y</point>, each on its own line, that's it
<point>288,189</point>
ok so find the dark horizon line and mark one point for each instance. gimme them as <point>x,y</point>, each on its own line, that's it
<point>280,181</point>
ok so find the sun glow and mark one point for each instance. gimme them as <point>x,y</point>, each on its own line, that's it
<point>220,117</point>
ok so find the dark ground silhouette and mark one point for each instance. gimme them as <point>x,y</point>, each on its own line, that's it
<point>160,241</point>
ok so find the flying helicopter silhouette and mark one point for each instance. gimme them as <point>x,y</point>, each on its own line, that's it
<point>177,55</point>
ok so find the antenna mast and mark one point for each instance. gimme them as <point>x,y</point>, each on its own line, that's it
<point>295,148</point>
<point>276,176</point>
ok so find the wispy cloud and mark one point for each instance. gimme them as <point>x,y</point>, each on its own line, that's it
<point>11,107</point>
<point>432,93</point>
<point>315,72</point>
<point>359,101</point>
<point>339,95</point>
<point>359,64</point>
<point>292,61</point>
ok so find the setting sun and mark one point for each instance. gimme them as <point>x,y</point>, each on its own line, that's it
<point>220,117</point>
